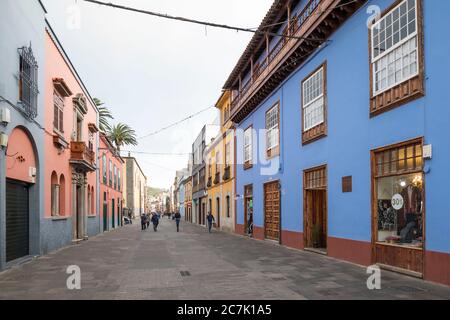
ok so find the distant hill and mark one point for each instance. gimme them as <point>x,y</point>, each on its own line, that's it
<point>152,192</point>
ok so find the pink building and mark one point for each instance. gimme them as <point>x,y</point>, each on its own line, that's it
<point>111,177</point>
<point>71,141</point>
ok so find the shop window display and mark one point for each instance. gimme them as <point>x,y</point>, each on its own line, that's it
<point>399,196</point>
<point>400,210</point>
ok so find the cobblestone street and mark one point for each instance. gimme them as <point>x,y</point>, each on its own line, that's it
<point>132,264</point>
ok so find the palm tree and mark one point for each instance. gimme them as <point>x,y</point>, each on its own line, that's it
<point>122,134</point>
<point>104,114</point>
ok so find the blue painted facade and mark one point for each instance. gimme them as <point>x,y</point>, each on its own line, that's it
<point>352,133</point>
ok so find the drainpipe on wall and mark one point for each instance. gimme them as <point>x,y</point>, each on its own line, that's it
<point>2,209</point>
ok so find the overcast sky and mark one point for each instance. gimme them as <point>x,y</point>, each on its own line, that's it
<point>151,72</point>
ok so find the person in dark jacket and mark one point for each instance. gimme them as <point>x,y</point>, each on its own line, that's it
<point>155,222</point>
<point>210,219</point>
<point>177,220</point>
<point>143,221</point>
<point>148,220</point>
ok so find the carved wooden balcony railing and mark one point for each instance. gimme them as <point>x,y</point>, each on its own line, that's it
<point>310,29</point>
<point>226,173</point>
<point>81,156</point>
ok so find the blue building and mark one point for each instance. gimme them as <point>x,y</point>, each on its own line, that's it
<point>341,144</point>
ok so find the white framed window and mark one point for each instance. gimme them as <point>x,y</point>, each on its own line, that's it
<point>105,174</point>
<point>218,162</point>
<point>248,149</point>
<point>115,177</point>
<point>227,154</point>
<point>313,93</point>
<point>395,47</point>
<point>272,128</point>
<point>55,199</point>
<point>110,173</point>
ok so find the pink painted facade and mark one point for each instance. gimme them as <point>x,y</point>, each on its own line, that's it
<point>21,159</point>
<point>71,140</point>
<point>111,184</point>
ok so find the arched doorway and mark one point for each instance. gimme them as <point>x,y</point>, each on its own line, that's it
<point>22,201</point>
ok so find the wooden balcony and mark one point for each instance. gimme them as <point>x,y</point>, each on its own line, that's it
<point>310,30</point>
<point>217,178</point>
<point>227,173</point>
<point>81,157</point>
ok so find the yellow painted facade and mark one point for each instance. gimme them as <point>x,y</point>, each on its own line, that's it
<point>188,200</point>
<point>220,169</point>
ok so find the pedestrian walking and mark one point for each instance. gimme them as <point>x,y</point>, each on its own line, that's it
<point>210,219</point>
<point>148,220</point>
<point>155,221</point>
<point>143,221</point>
<point>177,220</point>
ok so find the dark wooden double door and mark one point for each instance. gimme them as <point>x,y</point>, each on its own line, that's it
<point>272,211</point>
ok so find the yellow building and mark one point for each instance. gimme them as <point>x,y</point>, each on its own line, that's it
<point>188,199</point>
<point>220,169</point>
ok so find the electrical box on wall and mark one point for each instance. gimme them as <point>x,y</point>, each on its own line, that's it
<point>5,116</point>
<point>3,140</point>
<point>32,173</point>
<point>427,151</point>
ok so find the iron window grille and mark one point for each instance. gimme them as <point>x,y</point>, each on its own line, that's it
<point>28,84</point>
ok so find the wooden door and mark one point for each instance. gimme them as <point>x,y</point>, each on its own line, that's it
<point>105,216</point>
<point>315,219</point>
<point>272,211</point>
<point>315,208</point>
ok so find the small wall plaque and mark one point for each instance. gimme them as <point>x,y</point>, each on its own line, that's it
<point>347,184</point>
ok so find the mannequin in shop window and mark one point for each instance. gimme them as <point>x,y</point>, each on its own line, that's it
<point>410,220</point>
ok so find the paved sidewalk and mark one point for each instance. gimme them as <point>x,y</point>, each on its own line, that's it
<point>132,264</point>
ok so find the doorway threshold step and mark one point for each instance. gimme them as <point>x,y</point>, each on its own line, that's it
<point>317,250</point>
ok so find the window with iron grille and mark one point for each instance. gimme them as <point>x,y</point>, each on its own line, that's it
<point>28,76</point>
<point>58,112</point>
<point>395,47</point>
<point>272,129</point>
<point>313,93</point>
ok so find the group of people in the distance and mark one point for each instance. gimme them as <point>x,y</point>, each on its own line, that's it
<point>155,217</point>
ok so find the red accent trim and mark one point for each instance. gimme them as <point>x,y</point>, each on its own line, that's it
<point>239,229</point>
<point>437,267</point>
<point>258,233</point>
<point>292,239</point>
<point>358,252</point>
